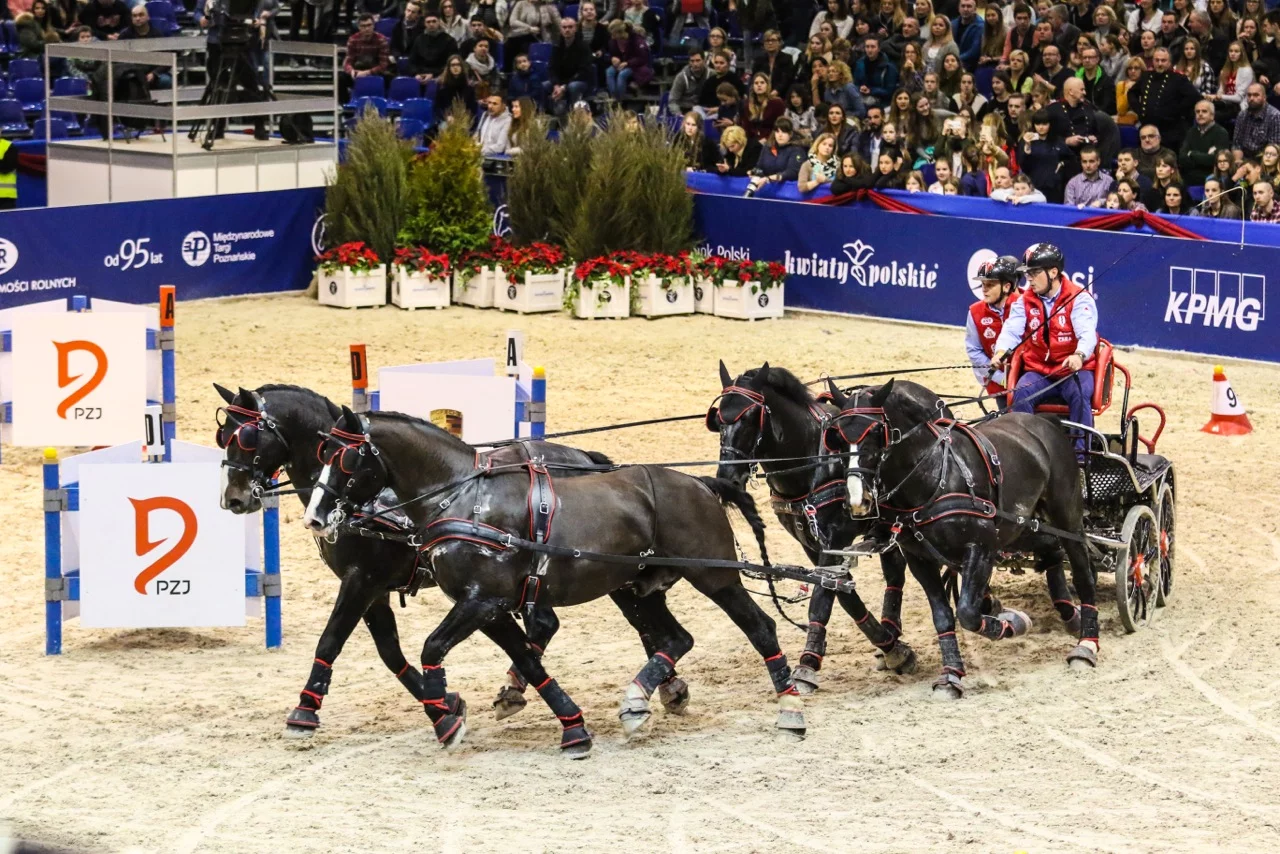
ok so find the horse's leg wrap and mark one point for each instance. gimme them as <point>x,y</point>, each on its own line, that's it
<point>891,611</point>
<point>575,729</point>
<point>1086,651</point>
<point>790,708</point>
<point>634,711</point>
<point>1051,565</point>
<point>304,715</point>
<point>815,647</point>
<point>448,714</point>
<point>948,683</point>
<point>1008,624</point>
<point>413,681</point>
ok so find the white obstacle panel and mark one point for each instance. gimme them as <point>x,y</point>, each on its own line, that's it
<point>77,378</point>
<point>471,388</point>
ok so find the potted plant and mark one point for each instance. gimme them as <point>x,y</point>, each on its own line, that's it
<point>598,289</point>
<point>352,276</point>
<point>751,290</point>
<point>535,278</point>
<point>661,286</point>
<point>473,278</point>
<point>706,272</point>
<point>420,278</point>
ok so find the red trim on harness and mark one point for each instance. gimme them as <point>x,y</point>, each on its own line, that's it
<point>773,658</point>
<point>544,684</point>
<point>325,663</point>
<point>667,657</point>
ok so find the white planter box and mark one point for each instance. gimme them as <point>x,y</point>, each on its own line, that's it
<point>538,292</point>
<point>657,301</point>
<point>602,300</point>
<point>476,291</point>
<point>411,289</point>
<point>704,296</point>
<point>347,288</point>
<point>734,299</point>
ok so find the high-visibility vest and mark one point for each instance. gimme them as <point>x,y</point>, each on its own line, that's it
<point>8,180</point>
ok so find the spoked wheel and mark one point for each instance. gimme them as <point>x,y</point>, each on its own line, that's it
<point>1138,569</point>
<point>1168,520</point>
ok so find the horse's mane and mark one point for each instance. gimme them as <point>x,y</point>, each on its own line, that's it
<point>786,384</point>
<point>333,408</point>
<point>412,421</point>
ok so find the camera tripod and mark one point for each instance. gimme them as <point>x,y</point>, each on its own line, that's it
<point>234,64</point>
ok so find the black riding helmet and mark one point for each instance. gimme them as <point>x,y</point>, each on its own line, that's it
<point>1003,269</point>
<point>1042,256</point>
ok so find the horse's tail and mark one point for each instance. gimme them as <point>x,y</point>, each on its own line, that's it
<point>598,458</point>
<point>733,496</point>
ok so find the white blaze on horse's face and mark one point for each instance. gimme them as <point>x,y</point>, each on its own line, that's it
<point>312,518</point>
<point>224,481</point>
<point>857,501</point>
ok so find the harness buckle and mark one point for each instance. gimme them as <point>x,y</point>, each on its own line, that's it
<point>507,540</point>
<point>544,508</point>
<point>444,504</point>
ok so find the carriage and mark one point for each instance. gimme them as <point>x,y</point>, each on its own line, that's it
<point>1130,498</point>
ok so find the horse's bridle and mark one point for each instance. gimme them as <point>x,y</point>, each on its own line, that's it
<point>245,436</point>
<point>715,421</point>
<point>346,450</point>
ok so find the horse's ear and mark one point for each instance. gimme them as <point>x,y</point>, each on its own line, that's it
<point>762,375</point>
<point>227,394</point>
<point>246,395</point>
<point>350,421</point>
<point>726,379</point>
<point>837,396</point>
<point>882,394</point>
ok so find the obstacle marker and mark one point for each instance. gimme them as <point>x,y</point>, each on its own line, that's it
<point>81,373</point>
<point>470,398</point>
<point>1227,414</point>
<point>131,544</point>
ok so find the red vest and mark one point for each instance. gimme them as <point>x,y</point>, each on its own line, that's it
<point>1046,350</point>
<point>989,322</point>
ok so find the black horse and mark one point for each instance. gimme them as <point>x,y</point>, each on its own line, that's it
<point>280,427</point>
<point>767,413</point>
<point>467,520</point>
<point>958,495</point>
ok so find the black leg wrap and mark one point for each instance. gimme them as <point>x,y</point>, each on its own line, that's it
<point>657,670</point>
<point>1088,623</point>
<point>891,611</point>
<point>950,647</point>
<point>575,729</point>
<point>815,646</point>
<point>994,629</point>
<point>304,714</point>
<point>780,674</point>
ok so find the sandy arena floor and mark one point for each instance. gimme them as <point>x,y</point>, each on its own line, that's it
<point>170,741</point>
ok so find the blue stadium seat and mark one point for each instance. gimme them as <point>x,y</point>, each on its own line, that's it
<point>1128,136</point>
<point>1196,192</point>
<point>982,80</point>
<point>20,68</point>
<point>420,109</point>
<point>571,11</point>
<point>372,86</point>
<point>386,26</point>
<point>57,129</point>
<point>710,130</point>
<point>12,121</point>
<point>71,121</point>
<point>9,38</point>
<point>359,104</point>
<point>30,93</point>
<point>540,54</point>
<point>411,129</point>
<point>430,87</point>
<point>163,16</point>
<point>930,173</point>
<point>402,89</point>
<point>70,86</point>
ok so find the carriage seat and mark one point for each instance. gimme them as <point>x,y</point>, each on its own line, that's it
<point>1103,377</point>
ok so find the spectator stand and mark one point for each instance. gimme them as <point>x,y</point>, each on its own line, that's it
<point>170,164</point>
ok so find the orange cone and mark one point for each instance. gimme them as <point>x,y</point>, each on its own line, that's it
<point>1227,416</point>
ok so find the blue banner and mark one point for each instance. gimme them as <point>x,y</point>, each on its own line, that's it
<point>211,246</point>
<point>1170,293</point>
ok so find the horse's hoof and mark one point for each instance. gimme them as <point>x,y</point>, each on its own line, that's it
<point>451,729</point>
<point>1020,622</point>
<point>901,659</point>
<point>633,722</point>
<point>292,730</point>
<point>791,716</point>
<point>880,665</point>
<point>1073,625</point>
<point>509,702</point>
<point>806,679</point>
<point>301,723</point>
<point>674,694</point>
<point>1084,656</point>
<point>993,607</point>
<point>581,750</point>
<point>454,741</point>
<point>948,687</point>
<point>575,743</point>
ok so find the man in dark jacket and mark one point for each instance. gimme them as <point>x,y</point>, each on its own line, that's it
<point>897,43</point>
<point>1201,145</point>
<point>525,80</point>
<point>1099,89</point>
<point>431,50</point>
<point>571,70</point>
<point>407,29</point>
<point>1165,99</point>
<point>874,75</point>
<point>1074,121</point>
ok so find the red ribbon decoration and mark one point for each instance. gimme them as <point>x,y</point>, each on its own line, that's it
<point>1136,219</point>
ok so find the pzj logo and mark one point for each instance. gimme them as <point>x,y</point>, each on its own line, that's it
<point>8,256</point>
<point>196,248</point>
<point>763,300</point>
<point>142,510</point>
<point>672,296</point>
<point>1217,298</point>
<point>65,378</point>
<point>511,292</point>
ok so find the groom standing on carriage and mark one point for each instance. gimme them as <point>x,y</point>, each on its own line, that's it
<point>1055,324</point>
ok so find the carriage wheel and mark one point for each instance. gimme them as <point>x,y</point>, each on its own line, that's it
<point>1168,519</point>
<point>1138,569</point>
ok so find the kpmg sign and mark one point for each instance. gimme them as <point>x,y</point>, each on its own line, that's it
<point>1170,293</point>
<point>208,246</point>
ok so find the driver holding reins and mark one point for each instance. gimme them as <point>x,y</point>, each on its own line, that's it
<point>1055,325</point>
<point>999,281</point>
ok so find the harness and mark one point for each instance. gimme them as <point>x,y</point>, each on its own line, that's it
<point>245,436</point>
